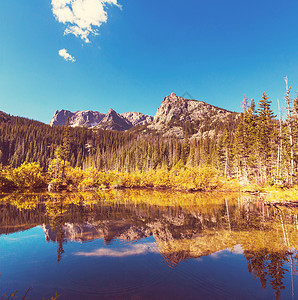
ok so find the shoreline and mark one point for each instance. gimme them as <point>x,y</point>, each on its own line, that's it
<point>286,197</point>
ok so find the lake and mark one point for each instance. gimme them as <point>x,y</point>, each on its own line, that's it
<point>139,244</point>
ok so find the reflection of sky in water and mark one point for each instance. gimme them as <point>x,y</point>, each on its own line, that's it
<point>147,252</point>
<point>123,270</point>
<point>131,250</point>
<point>17,238</point>
<point>235,250</point>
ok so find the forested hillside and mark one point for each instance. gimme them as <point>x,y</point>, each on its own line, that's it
<point>256,146</point>
<point>26,140</point>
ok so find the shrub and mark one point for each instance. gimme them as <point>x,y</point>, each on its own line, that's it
<point>29,175</point>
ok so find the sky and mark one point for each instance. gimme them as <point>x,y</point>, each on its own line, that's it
<point>130,54</point>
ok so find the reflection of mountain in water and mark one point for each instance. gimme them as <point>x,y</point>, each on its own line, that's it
<point>194,228</point>
<point>106,230</point>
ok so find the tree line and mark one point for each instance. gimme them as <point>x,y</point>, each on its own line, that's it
<point>263,147</point>
<point>257,146</point>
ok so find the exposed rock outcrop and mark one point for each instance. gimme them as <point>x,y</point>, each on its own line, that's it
<point>109,121</point>
<point>137,118</point>
<point>176,117</point>
<point>86,118</point>
<point>60,117</point>
<point>179,117</point>
<point>114,121</point>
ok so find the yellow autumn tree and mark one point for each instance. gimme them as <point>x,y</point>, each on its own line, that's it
<point>28,175</point>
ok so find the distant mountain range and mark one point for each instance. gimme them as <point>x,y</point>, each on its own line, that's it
<point>130,140</point>
<point>176,117</point>
<point>95,119</point>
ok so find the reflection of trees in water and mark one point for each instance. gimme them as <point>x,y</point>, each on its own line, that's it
<point>256,264</point>
<point>185,230</point>
<point>61,240</point>
<point>56,226</point>
<point>269,267</point>
<point>276,271</point>
<point>55,210</point>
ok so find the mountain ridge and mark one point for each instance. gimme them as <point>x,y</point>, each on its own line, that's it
<point>175,117</point>
<point>114,121</point>
<point>95,119</point>
<point>188,118</point>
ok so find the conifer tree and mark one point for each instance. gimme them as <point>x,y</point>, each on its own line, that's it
<point>239,150</point>
<point>249,136</point>
<point>66,145</point>
<point>265,135</point>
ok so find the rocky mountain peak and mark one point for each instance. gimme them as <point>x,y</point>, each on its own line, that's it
<point>179,117</point>
<point>172,107</point>
<point>86,118</point>
<point>176,117</point>
<point>137,118</point>
<point>112,116</point>
<point>173,98</point>
<point>111,113</point>
<point>60,117</point>
<point>114,121</point>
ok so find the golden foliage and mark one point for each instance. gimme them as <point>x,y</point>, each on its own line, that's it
<point>282,195</point>
<point>27,176</point>
<point>183,178</point>
<point>214,241</point>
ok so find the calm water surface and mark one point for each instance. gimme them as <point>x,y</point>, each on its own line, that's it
<point>147,245</point>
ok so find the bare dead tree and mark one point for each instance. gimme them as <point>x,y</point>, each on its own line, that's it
<point>289,124</point>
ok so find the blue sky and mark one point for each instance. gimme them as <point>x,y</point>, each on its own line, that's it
<point>215,50</point>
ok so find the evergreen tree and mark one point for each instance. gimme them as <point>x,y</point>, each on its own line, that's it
<point>265,136</point>
<point>66,145</point>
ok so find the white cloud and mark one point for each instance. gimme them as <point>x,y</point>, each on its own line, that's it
<point>63,53</point>
<point>82,17</point>
<point>137,249</point>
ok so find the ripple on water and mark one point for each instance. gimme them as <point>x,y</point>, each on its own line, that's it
<point>154,273</point>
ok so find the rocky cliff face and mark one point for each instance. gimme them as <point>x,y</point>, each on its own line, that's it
<point>85,118</point>
<point>60,117</point>
<point>137,118</point>
<point>176,117</point>
<point>109,121</point>
<point>114,121</point>
<point>179,117</point>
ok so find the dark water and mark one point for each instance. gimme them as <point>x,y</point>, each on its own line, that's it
<point>147,245</point>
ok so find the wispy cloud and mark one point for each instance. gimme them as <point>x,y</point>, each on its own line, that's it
<point>137,249</point>
<point>82,17</point>
<point>63,53</point>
